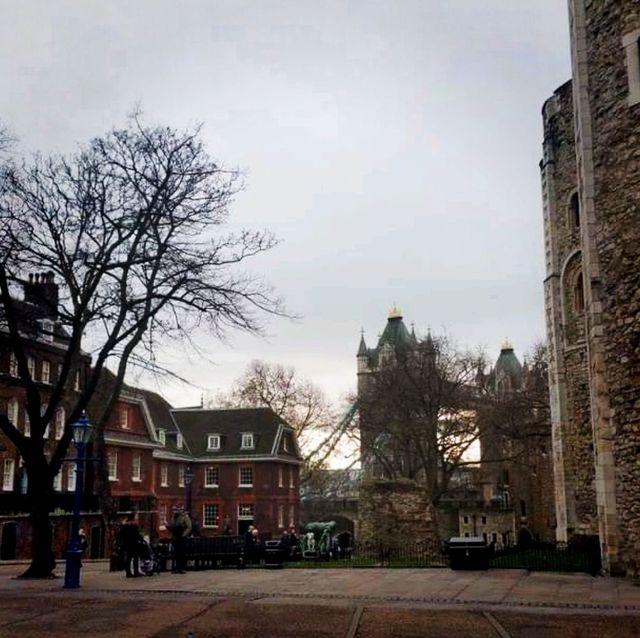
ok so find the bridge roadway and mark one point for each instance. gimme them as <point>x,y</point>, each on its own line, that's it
<point>320,602</point>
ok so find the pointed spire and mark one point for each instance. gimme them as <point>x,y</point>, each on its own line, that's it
<point>362,348</point>
<point>413,332</point>
<point>428,342</point>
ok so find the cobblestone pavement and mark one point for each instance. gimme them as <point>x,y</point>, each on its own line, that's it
<point>354,603</point>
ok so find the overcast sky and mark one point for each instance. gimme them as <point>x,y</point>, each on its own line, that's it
<point>392,146</point>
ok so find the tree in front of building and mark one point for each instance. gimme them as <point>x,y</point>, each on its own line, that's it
<point>131,230</point>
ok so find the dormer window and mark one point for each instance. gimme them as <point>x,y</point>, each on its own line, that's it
<point>124,417</point>
<point>179,441</point>
<point>247,441</point>
<point>285,443</point>
<point>162,437</point>
<point>213,442</point>
<point>47,331</point>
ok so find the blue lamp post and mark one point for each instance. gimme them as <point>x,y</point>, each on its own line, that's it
<point>82,431</point>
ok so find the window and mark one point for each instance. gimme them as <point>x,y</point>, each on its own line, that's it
<point>27,423</point>
<point>484,520</point>
<point>181,473</point>
<point>292,520</point>
<point>71,478</point>
<point>213,442</point>
<point>280,515</point>
<point>574,212</point>
<point>124,417</point>
<point>179,441</point>
<point>7,475</point>
<point>13,365</point>
<point>578,294</point>
<point>57,482</point>
<point>291,477</point>
<point>136,468</point>
<point>59,426</point>
<point>162,437</point>
<point>76,382</point>
<point>280,477</point>
<point>13,410</point>
<point>247,441</point>
<point>164,475</point>
<point>112,464</point>
<point>211,477</point>
<point>246,477</point>
<point>285,443</point>
<point>245,511</point>
<point>162,515</point>
<point>46,372</point>
<point>210,515</point>
<point>631,45</point>
<point>47,330</point>
<point>466,520</point>
<point>31,366</point>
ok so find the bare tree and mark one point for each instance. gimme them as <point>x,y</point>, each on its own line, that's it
<point>298,401</point>
<point>417,414</point>
<point>131,228</point>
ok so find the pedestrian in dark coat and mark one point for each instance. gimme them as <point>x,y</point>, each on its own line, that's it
<point>130,544</point>
<point>180,528</point>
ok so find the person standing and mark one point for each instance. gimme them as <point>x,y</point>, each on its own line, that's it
<point>180,528</point>
<point>129,542</point>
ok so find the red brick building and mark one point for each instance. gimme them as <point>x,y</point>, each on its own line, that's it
<point>230,468</point>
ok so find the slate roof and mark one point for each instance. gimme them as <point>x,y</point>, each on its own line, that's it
<point>197,424</point>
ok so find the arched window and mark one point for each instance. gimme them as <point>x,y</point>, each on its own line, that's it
<point>578,294</point>
<point>574,212</point>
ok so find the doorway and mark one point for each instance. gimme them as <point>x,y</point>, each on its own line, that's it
<point>243,526</point>
<point>96,541</point>
<point>9,533</point>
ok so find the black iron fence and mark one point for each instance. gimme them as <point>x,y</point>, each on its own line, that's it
<point>549,557</point>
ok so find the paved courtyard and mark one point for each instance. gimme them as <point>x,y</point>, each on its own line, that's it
<point>320,602</point>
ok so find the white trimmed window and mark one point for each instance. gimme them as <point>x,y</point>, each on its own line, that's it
<point>162,437</point>
<point>31,366</point>
<point>210,515</point>
<point>162,515</point>
<point>285,442</point>
<point>76,382</point>
<point>291,477</point>
<point>13,365</point>
<point>211,477</point>
<point>181,471</point>
<point>8,468</point>
<point>124,417</point>
<point>47,331</point>
<point>112,464</point>
<point>245,511</point>
<point>27,423</point>
<point>164,475</point>
<point>247,441</point>
<point>46,372</point>
<point>246,476</point>
<point>57,481</point>
<point>213,442</point>
<point>292,520</point>
<point>71,478</point>
<point>280,515</point>
<point>136,467</point>
<point>280,477</point>
<point>59,423</point>
<point>13,411</point>
<point>179,441</point>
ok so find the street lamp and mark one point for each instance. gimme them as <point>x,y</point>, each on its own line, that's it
<point>82,431</point>
<point>188,479</point>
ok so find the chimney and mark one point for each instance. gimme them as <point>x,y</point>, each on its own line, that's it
<point>42,291</point>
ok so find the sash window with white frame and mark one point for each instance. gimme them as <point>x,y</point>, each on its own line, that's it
<point>136,467</point>
<point>211,476</point>
<point>8,469</point>
<point>246,476</point>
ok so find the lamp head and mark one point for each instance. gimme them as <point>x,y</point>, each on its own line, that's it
<point>82,430</point>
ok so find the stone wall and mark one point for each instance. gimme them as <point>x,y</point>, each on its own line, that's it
<point>393,513</point>
<point>611,161</point>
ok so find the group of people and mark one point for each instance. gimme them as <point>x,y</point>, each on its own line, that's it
<point>134,548</point>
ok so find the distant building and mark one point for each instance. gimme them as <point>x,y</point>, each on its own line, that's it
<point>591,196</point>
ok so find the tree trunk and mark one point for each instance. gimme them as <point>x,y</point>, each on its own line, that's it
<point>42,556</point>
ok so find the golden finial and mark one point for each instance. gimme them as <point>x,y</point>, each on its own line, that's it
<point>395,312</point>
